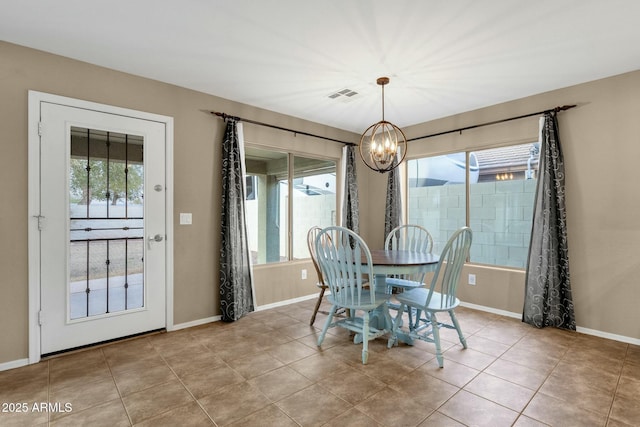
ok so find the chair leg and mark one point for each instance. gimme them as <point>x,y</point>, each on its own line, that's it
<point>332,312</point>
<point>436,339</point>
<point>417,321</point>
<point>315,310</point>
<point>410,313</point>
<point>454,319</point>
<point>365,337</point>
<point>397,323</point>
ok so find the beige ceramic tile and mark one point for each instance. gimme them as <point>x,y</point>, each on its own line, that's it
<point>383,368</point>
<point>394,408</point>
<point>596,378</point>
<point>254,365</point>
<point>486,346</point>
<point>519,374</point>
<point>192,360</point>
<point>470,409</point>
<point>313,406</point>
<point>556,412</point>
<point>85,395</point>
<point>576,390</point>
<point>452,372</point>
<point>23,414</point>
<point>500,391</point>
<point>210,381</point>
<point>280,383</point>
<point>189,415</point>
<point>352,418</point>
<point>234,402</point>
<point>351,385</point>
<point>156,400</point>
<point>523,356</point>
<point>131,381</point>
<point>269,416</point>
<point>438,419</point>
<point>319,366</point>
<point>108,414</point>
<point>469,357</point>
<point>626,410</point>
<point>425,389</point>
<point>291,352</point>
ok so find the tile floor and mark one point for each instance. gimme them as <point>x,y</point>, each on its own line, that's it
<point>266,370</point>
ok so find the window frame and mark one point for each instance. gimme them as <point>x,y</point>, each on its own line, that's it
<point>290,155</point>
<point>467,151</point>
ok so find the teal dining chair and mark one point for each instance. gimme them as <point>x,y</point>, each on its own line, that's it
<point>311,244</point>
<point>439,297</point>
<point>346,265</point>
<point>408,237</point>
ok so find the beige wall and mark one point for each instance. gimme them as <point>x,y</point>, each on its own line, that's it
<point>601,145</point>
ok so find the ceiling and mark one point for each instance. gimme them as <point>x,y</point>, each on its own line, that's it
<point>289,56</point>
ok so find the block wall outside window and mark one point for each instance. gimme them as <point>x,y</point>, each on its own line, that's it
<point>501,197</point>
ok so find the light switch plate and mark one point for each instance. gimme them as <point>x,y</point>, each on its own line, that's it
<point>185,219</point>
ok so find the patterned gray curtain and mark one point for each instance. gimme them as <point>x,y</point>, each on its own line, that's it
<point>236,291</point>
<point>350,207</point>
<point>548,300</point>
<point>393,206</point>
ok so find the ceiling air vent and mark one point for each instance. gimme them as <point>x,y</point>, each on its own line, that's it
<point>343,95</point>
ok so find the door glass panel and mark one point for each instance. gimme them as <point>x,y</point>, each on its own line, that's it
<point>106,246</point>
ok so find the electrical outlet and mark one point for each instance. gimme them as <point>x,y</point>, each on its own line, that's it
<point>472,279</point>
<point>303,274</point>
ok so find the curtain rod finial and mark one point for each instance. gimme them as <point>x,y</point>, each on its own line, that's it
<point>564,108</point>
<point>224,116</point>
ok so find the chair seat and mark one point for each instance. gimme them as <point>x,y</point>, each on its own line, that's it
<point>402,283</point>
<point>418,296</point>
<point>381,298</point>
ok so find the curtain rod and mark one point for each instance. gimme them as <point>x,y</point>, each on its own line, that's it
<point>225,116</point>
<point>556,109</point>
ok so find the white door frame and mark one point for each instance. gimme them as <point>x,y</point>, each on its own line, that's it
<point>35,98</point>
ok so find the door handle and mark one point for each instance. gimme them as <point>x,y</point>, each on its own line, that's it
<point>156,238</point>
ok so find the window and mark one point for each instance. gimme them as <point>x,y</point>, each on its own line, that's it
<point>502,184</point>
<point>437,195</point>
<point>286,186</point>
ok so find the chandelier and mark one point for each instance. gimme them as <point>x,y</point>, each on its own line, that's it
<point>383,146</point>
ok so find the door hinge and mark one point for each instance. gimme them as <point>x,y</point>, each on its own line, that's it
<point>40,221</point>
<point>40,128</point>
<point>40,318</point>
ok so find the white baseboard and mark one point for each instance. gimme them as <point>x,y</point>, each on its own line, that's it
<point>287,302</point>
<point>258,308</point>
<point>580,329</point>
<point>607,335</point>
<point>13,364</point>
<point>194,323</point>
<point>492,310</point>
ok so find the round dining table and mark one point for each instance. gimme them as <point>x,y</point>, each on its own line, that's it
<point>387,262</point>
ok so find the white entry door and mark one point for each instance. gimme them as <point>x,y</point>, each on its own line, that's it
<point>102,226</point>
